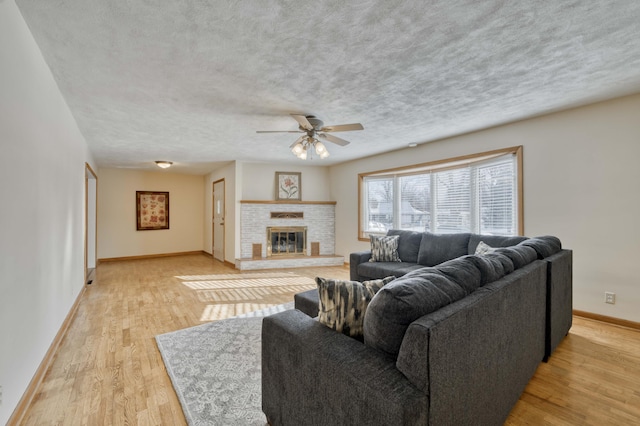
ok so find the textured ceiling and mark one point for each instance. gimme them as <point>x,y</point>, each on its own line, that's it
<point>191,81</point>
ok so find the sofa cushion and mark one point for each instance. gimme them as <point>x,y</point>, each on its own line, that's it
<point>438,248</point>
<point>408,244</point>
<point>519,255</point>
<point>401,302</point>
<point>384,249</point>
<point>544,246</point>
<point>492,266</point>
<point>342,304</point>
<point>376,270</point>
<point>493,240</point>
<point>507,264</point>
<point>463,271</point>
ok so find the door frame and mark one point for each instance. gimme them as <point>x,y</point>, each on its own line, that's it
<point>224,215</point>
<point>92,231</point>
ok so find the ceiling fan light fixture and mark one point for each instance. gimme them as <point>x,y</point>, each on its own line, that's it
<point>303,154</point>
<point>297,149</point>
<point>320,148</point>
<point>164,164</point>
<point>313,128</point>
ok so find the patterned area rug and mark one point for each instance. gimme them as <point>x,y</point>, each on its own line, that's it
<point>215,369</point>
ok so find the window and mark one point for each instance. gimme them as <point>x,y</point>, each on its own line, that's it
<point>478,193</point>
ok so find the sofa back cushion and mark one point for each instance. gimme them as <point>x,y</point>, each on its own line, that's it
<point>463,271</point>
<point>408,244</point>
<point>544,246</point>
<point>404,300</point>
<point>438,248</point>
<point>493,241</point>
<point>519,255</point>
<point>492,266</point>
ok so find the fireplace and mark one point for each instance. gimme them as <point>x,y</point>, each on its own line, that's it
<point>317,218</point>
<point>286,240</point>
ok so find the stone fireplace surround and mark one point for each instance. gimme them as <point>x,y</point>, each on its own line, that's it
<point>317,216</point>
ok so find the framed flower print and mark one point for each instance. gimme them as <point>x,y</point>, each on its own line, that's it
<point>288,186</point>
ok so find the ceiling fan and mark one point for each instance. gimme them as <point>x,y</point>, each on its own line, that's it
<point>313,128</point>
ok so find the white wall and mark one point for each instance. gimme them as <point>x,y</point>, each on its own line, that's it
<point>581,179</point>
<point>259,181</point>
<point>117,234</point>
<point>256,181</point>
<point>92,225</point>
<point>43,159</point>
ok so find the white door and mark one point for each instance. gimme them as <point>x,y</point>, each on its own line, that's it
<point>218,220</point>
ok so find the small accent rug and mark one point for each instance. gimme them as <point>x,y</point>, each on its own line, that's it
<point>215,369</point>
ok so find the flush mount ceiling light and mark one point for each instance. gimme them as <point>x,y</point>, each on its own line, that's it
<point>313,128</point>
<point>164,164</point>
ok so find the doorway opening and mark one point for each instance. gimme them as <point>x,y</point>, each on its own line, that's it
<point>218,234</point>
<point>90,222</point>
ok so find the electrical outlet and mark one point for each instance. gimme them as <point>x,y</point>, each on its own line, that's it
<point>609,297</point>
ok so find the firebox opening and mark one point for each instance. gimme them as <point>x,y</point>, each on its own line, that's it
<point>286,240</point>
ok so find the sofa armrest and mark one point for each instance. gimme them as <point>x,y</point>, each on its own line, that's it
<point>313,375</point>
<point>559,298</point>
<point>475,356</point>
<point>307,302</point>
<point>354,260</point>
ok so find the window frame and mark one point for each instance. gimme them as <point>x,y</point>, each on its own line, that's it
<point>443,165</point>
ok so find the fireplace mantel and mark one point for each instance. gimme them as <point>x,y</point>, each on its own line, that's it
<point>286,202</point>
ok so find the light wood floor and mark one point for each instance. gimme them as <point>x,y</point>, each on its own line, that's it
<point>108,369</point>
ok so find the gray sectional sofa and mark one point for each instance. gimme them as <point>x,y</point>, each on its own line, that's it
<point>416,252</point>
<point>453,341</point>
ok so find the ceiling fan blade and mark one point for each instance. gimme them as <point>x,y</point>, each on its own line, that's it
<point>334,139</point>
<point>342,128</point>
<point>297,140</point>
<point>302,120</point>
<point>278,131</point>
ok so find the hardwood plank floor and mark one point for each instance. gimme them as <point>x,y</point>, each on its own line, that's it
<point>108,369</point>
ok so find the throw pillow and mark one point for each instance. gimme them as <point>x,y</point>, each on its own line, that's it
<point>493,240</point>
<point>483,248</point>
<point>384,249</point>
<point>342,304</point>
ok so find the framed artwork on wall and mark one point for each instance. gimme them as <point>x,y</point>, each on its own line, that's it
<point>288,186</point>
<point>152,210</point>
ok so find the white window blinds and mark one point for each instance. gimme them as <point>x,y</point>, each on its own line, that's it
<point>496,184</point>
<point>478,196</point>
